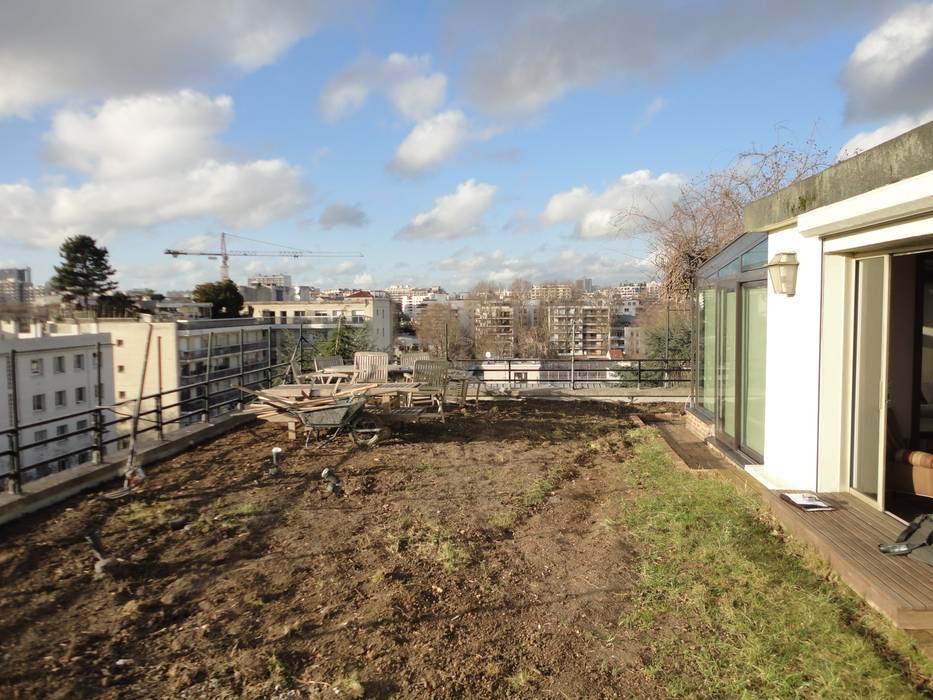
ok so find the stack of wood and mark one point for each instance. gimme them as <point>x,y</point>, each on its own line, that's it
<point>281,404</point>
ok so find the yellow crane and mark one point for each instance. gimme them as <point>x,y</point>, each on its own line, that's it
<point>283,252</point>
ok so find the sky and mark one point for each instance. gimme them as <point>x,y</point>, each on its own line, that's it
<point>448,142</point>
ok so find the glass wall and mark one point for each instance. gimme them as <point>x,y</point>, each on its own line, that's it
<point>731,333</point>
<point>706,339</point>
<point>754,344</point>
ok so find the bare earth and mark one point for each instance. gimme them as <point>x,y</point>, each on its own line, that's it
<point>466,559</point>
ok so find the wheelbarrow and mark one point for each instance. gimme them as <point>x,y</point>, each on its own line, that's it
<point>347,415</point>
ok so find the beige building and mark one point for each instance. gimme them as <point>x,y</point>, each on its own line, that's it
<point>579,329</point>
<point>552,291</point>
<point>356,310</point>
<point>494,327</point>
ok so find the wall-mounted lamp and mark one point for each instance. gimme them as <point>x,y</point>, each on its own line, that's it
<point>783,272</point>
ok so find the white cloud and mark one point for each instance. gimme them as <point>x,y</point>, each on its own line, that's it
<point>60,50</point>
<point>890,72</point>
<point>455,215</point>
<point>430,143</point>
<point>138,136</point>
<point>655,107</point>
<point>407,81</point>
<point>363,280</point>
<point>148,160</point>
<point>595,215</point>
<point>469,266</point>
<point>524,54</point>
<point>339,214</point>
<point>869,139</point>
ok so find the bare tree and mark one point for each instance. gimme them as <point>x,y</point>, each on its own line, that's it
<point>440,332</point>
<point>709,211</point>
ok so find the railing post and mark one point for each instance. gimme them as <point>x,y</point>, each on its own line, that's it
<point>158,408</point>
<point>98,419</point>
<point>14,483</point>
<point>508,365</point>
<point>206,401</point>
<point>638,374</point>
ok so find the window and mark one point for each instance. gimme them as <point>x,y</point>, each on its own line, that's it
<point>81,425</point>
<point>60,430</point>
<point>35,367</point>
<point>80,394</point>
<point>38,402</point>
<point>58,364</point>
<point>122,394</point>
<point>121,368</point>
<point>39,436</point>
<point>119,342</point>
<point>79,361</point>
<point>61,399</point>
<point>96,392</point>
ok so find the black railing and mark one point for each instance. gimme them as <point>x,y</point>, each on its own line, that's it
<point>639,374</point>
<point>157,411</point>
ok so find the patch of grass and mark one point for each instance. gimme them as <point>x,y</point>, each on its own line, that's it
<point>349,686</point>
<point>724,608</point>
<point>503,519</point>
<point>244,510</point>
<point>520,679</point>
<point>156,512</point>
<point>544,486</point>
<point>435,543</point>
<point>275,667</point>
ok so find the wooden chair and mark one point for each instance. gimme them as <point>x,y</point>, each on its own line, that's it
<point>321,363</point>
<point>371,367</point>
<point>432,374</point>
<point>408,359</point>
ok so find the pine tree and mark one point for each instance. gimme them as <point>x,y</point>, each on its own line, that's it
<point>224,297</point>
<point>85,270</point>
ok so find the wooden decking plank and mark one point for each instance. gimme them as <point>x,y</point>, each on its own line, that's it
<point>848,536</point>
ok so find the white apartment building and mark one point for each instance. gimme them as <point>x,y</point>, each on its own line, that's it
<point>357,309</point>
<point>412,300</point>
<point>275,280</point>
<point>552,291</point>
<point>50,385</point>
<point>196,364</point>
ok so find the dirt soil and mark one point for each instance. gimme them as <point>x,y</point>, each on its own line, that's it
<point>467,559</point>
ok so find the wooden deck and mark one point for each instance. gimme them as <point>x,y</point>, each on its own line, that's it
<point>848,539</point>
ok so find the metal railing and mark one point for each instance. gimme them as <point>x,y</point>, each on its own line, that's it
<point>157,412</point>
<point>639,374</point>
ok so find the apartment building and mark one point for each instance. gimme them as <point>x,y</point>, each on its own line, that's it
<point>195,363</point>
<point>16,286</point>
<point>552,291</point>
<point>579,329</point>
<point>50,386</point>
<point>494,327</point>
<point>275,280</point>
<point>357,309</point>
<point>412,300</point>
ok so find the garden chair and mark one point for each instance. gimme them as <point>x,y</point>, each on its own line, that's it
<point>321,363</point>
<point>407,360</point>
<point>432,375</point>
<point>371,367</point>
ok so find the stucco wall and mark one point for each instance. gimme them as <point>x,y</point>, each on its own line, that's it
<point>793,364</point>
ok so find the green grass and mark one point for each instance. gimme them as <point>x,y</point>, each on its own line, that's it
<point>724,607</point>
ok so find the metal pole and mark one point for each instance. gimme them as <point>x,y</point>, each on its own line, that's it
<point>573,352</point>
<point>14,484</point>
<point>206,414</point>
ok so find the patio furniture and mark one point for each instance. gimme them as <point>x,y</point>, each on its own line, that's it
<point>431,376</point>
<point>371,367</point>
<point>407,360</point>
<point>460,381</point>
<point>322,364</point>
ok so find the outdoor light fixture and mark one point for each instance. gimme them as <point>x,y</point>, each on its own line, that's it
<point>783,272</point>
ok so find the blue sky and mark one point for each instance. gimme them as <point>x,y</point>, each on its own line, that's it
<point>449,142</point>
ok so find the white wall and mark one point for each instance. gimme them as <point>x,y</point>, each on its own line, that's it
<point>793,368</point>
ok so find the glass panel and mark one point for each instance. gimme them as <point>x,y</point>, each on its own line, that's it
<point>754,341</point>
<point>756,257</point>
<point>870,320</point>
<point>706,336</point>
<point>926,349</point>
<point>730,269</point>
<point>727,319</point>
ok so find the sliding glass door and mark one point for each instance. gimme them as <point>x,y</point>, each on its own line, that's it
<point>752,362</point>
<point>725,414</point>
<point>869,382</point>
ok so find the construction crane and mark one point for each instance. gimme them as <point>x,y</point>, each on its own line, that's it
<point>283,252</point>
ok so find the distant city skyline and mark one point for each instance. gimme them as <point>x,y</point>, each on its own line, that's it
<point>451,143</point>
